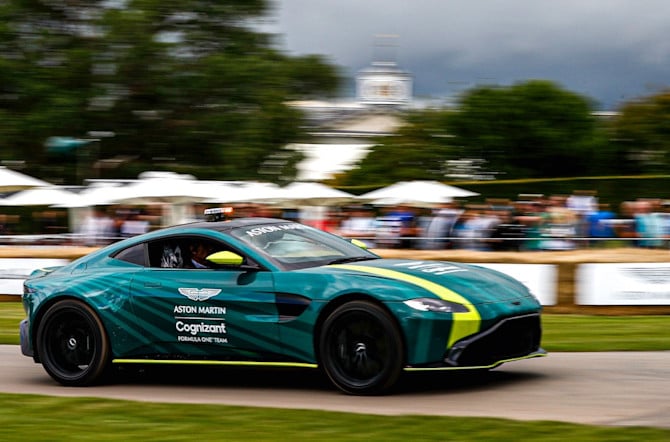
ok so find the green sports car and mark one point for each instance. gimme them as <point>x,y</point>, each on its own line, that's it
<point>270,292</point>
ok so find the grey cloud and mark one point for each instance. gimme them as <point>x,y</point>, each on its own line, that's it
<point>606,49</point>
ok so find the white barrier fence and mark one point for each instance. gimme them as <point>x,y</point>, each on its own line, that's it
<point>13,271</point>
<point>541,279</point>
<point>616,284</point>
<point>623,284</point>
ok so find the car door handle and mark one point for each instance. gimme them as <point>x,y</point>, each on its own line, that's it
<point>152,284</point>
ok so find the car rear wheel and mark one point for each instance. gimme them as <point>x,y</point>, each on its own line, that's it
<point>361,349</point>
<point>72,344</point>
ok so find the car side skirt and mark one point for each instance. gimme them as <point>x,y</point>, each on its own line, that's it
<point>539,353</point>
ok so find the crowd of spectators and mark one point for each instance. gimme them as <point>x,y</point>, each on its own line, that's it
<point>532,222</point>
<point>103,226</point>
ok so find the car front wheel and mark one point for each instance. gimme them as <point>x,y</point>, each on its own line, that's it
<point>360,348</point>
<point>72,344</point>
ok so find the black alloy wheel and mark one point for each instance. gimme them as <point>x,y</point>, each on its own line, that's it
<point>361,349</point>
<point>72,344</point>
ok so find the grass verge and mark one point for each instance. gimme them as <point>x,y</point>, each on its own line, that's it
<point>605,333</point>
<point>11,314</point>
<point>42,418</point>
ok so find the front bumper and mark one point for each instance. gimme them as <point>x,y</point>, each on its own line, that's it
<point>511,339</point>
<point>26,347</point>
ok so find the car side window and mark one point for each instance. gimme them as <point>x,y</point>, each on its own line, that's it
<point>184,252</point>
<point>134,255</point>
<point>198,251</point>
<point>166,254</point>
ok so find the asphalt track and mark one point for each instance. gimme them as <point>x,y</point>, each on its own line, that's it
<point>610,388</point>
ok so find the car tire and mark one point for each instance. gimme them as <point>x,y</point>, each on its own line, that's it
<point>361,349</point>
<point>72,344</point>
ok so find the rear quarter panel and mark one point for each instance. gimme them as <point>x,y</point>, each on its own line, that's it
<point>106,290</point>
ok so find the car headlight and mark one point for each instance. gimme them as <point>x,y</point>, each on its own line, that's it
<point>436,305</point>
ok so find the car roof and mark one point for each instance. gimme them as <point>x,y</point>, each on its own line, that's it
<point>223,226</point>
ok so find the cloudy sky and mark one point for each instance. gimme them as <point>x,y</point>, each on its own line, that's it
<point>608,50</point>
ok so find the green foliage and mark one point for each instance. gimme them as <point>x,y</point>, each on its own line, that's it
<point>533,129</point>
<point>417,151</point>
<point>188,80</point>
<point>310,76</point>
<point>191,83</point>
<point>641,133</point>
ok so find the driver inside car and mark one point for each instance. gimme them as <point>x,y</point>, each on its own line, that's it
<point>200,250</point>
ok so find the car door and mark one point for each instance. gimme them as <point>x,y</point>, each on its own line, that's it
<point>227,313</point>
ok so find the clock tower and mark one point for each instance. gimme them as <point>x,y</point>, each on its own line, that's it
<point>383,83</point>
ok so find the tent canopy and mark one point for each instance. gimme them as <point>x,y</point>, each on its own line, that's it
<point>11,181</point>
<point>244,192</point>
<point>42,196</point>
<point>317,194</point>
<point>416,192</point>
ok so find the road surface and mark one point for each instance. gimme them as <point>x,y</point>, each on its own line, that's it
<point>610,388</point>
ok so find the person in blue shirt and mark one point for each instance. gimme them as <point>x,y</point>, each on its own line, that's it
<point>599,224</point>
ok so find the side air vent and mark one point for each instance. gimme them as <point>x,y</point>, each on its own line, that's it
<point>290,306</point>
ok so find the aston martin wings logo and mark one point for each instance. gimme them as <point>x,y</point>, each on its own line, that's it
<point>198,294</point>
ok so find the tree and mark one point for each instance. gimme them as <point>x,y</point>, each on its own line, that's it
<point>533,129</point>
<point>641,134</point>
<point>191,82</point>
<point>417,151</point>
<point>45,77</point>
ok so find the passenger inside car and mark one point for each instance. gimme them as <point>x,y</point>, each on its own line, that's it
<point>172,257</point>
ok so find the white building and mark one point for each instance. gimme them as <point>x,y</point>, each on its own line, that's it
<point>383,84</point>
<point>344,129</point>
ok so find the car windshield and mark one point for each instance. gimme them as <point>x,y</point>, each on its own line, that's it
<point>296,246</point>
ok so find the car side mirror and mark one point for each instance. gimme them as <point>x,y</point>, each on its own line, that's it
<point>226,258</point>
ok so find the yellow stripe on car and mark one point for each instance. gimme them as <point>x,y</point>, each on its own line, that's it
<point>464,324</point>
<point>213,362</point>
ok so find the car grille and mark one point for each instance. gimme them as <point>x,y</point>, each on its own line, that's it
<point>511,338</point>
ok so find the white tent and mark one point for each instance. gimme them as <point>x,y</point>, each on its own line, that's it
<point>172,188</point>
<point>11,181</point>
<point>416,193</point>
<point>244,192</point>
<point>315,194</point>
<point>299,193</point>
<point>98,194</point>
<point>174,193</point>
<point>42,196</point>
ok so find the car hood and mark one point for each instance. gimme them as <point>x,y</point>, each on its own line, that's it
<point>478,285</point>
